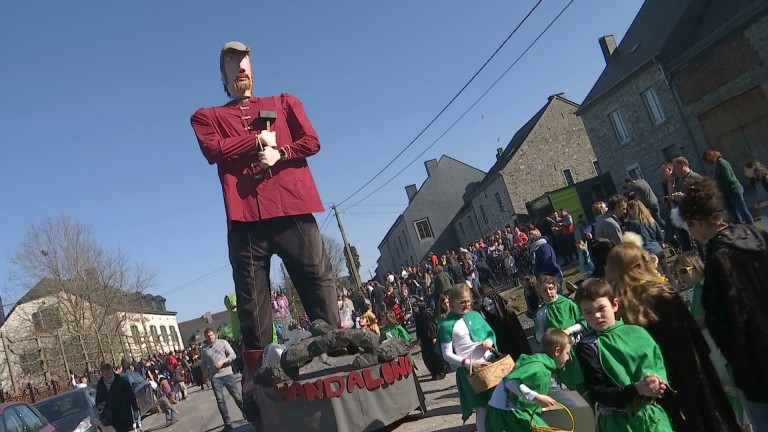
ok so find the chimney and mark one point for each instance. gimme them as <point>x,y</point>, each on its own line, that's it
<point>499,152</point>
<point>608,45</point>
<point>410,190</point>
<point>431,166</point>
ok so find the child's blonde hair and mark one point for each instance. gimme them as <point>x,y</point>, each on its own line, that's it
<point>581,244</point>
<point>458,291</point>
<point>690,259</point>
<point>554,338</point>
<point>631,271</point>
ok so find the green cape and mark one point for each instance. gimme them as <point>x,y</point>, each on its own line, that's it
<point>627,354</point>
<point>396,330</point>
<point>563,313</point>
<point>479,330</point>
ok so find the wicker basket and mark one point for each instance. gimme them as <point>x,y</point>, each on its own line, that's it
<point>481,379</point>
<point>537,428</point>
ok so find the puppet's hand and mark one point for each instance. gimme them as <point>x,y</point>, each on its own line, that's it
<point>267,138</point>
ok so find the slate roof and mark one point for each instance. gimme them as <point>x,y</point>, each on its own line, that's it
<point>141,302</point>
<point>189,328</point>
<point>643,41</point>
<point>672,32</point>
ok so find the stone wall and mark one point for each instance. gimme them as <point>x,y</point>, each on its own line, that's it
<point>557,142</point>
<point>648,142</point>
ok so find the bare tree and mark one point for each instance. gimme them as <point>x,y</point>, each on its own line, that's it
<point>336,252</point>
<point>88,288</point>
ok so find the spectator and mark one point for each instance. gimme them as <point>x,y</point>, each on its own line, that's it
<point>640,221</point>
<point>734,296</point>
<point>730,188</point>
<point>608,225</point>
<point>758,176</point>
<point>217,357</point>
<point>115,400</point>
<point>544,259</point>
<point>645,194</point>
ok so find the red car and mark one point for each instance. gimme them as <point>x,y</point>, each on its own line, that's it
<point>21,417</point>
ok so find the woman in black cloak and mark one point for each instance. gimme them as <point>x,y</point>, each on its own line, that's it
<point>510,336</point>
<point>426,333</point>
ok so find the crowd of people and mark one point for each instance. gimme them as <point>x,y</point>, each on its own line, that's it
<point>644,357</point>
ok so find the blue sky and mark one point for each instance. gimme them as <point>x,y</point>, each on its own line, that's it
<point>97,100</point>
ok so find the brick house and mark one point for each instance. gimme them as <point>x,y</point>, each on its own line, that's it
<point>426,224</point>
<point>549,151</point>
<point>688,75</point>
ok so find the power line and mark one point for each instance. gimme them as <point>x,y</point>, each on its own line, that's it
<point>468,109</point>
<point>445,107</point>
<point>327,218</point>
<point>197,280</point>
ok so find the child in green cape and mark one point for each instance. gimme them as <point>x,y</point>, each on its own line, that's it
<point>391,329</point>
<point>465,337</point>
<point>561,313</point>
<point>519,395</point>
<point>623,367</point>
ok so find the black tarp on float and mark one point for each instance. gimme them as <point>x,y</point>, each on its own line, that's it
<point>354,401</point>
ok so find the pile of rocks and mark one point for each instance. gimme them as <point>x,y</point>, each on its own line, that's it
<point>329,351</point>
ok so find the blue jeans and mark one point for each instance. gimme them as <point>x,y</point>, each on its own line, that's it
<point>737,208</point>
<point>219,384</point>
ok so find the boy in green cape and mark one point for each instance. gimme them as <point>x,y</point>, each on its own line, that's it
<point>519,395</point>
<point>623,366</point>
<point>561,313</point>
<point>466,338</point>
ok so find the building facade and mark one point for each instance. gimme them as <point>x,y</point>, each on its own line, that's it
<point>427,223</point>
<point>550,151</point>
<point>688,75</point>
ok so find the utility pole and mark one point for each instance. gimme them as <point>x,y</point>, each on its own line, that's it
<point>348,252</point>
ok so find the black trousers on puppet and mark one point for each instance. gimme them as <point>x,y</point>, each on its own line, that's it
<point>297,241</point>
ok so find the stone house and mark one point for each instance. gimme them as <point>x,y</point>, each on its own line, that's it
<point>688,75</point>
<point>426,223</point>
<point>51,330</point>
<point>549,151</point>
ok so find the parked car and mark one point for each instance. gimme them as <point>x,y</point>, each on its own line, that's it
<point>22,417</point>
<point>74,410</point>
<point>142,389</point>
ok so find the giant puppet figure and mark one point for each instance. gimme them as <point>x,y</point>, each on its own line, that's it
<point>260,146</point>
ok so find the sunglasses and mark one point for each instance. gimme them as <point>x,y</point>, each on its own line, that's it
<point>684,270</point>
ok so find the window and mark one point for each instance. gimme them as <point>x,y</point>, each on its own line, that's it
<point>27,416</point>
<point>498,202</point>
<point>155,336</point>
<point>423,229</point>
<point>619,127</point>
<point>596,166</point>
<point>11,421</point>
<point>174,334</point>
<point>483,214</point>
<point>47,318</point>
<point>568,176</point>
<point>164,332</point>
<point>653,105</point>
<point>461,228</point>
<point>634,171</point>
<point>136,335</point>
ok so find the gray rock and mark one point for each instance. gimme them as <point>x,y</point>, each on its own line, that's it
<point>365,360</point>
<point>271,375</point>
<point>297,355</point>
<point>319,327</point>
<point>364,340</point>
<point>391,349</point>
